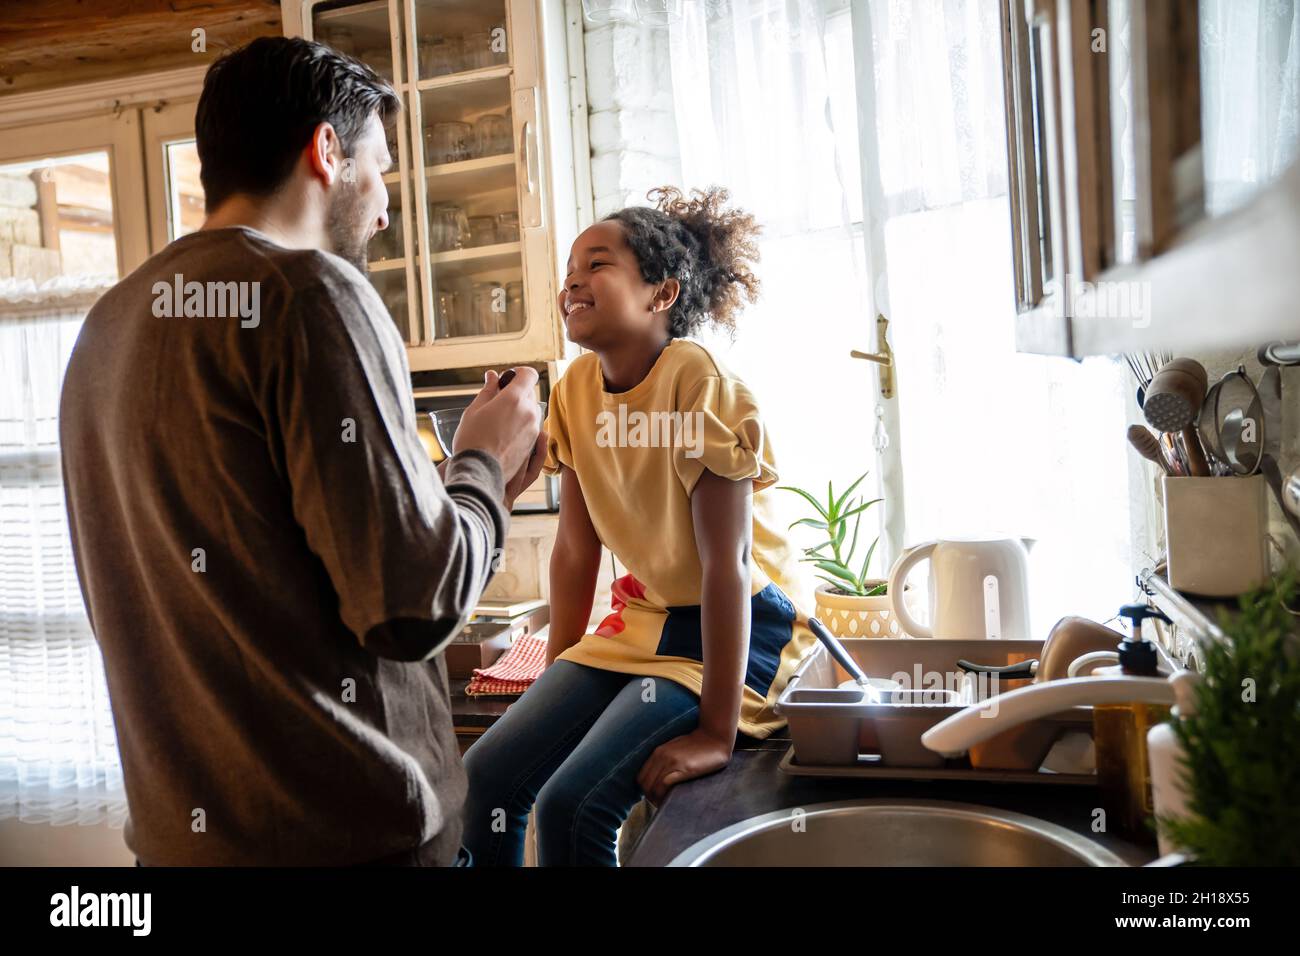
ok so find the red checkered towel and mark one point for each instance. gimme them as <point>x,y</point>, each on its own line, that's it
<point>515,671</point>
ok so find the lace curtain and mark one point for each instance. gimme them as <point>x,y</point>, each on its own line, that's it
<point>993,441</point>
<point>1250,87</point>
<point>980,437</point>
<point>763,100</point>
<point>58,751</point>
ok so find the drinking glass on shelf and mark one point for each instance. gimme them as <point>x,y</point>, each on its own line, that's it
<point>514,307</point>
<point>448,142</point>
<point>487,307</point>
<point>482,230</point>
<point>447,319</point>
<point>440,56</point>
<point>449,227</point>
<point>491,134</point>
<point>609,11</point>
<point>507,227</point>
<point>658,13</point>
<point>393,295</point>
<point>478,52</point>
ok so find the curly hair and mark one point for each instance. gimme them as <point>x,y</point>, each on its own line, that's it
<point>708,249</point>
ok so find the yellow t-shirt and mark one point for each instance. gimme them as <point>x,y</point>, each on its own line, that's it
<point>637,456</point>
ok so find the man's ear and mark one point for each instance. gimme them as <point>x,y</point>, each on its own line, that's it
<point>325,154</point>
<point>665,295</point>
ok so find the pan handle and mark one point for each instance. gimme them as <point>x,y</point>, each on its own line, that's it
<point>1023,669</point>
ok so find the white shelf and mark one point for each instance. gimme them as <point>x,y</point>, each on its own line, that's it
<point>463,262</point>
<point>452,80</point>
<point>357,9</point>
<point>451,181</point>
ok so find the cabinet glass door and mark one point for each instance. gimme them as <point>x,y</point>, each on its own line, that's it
<point>372,32</point>
<point>464,140</point>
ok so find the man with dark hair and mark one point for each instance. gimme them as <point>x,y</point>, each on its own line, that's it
<point>269,560</point>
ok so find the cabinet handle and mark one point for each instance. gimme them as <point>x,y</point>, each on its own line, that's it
<point>526,107</point>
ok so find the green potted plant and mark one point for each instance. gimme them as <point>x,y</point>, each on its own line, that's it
<point>849,602</point>
<point>1237,774</point>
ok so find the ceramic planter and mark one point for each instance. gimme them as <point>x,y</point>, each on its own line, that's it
<point>847,615</point>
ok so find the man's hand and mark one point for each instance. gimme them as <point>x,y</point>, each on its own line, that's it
<point>683,758</point>
<point>505,423</point>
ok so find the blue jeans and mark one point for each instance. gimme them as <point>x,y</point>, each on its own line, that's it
<point>573,744</point>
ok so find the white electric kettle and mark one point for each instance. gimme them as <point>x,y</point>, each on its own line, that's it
<point>979,588</point>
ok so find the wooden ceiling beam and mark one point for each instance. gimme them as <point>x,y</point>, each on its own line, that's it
<point>45,43</point>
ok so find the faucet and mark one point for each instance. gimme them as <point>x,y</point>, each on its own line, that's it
<point>979,722</point>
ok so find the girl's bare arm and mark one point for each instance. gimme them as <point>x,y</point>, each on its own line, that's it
<point>575,562</point>
<point>721,511</point>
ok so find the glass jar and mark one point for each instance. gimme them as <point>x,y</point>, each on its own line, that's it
<point>487,308</point>
<point>482,231</point>
<point>448,227</point>
<point>507,227</point>
<point>448,143</point>
<point>514,307</point>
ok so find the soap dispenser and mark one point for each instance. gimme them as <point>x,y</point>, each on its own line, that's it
<point>1120,732</point>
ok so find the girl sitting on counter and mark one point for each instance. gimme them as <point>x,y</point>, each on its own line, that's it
<point>664,461</point>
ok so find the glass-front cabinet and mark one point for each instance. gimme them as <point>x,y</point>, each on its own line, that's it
<point>481,197</point>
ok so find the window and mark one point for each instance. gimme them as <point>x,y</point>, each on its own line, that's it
<point>906,215</point>
<point>58,753</point>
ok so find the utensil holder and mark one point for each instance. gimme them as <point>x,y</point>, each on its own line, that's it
<point>1216,534</point>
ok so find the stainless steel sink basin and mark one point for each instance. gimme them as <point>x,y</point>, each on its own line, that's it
<point>885,832</point>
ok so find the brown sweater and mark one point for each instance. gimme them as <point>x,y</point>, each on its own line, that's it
<point>270,562</point>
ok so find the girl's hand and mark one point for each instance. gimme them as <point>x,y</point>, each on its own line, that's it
<point>528,473</point>
<point>683,758</point>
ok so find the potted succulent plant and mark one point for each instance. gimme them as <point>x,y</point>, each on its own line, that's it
<point>849,603</point>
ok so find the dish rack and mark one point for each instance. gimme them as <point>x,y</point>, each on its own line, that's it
<point>840,732</point>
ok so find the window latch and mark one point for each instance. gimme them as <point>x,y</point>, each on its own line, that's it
<point>884,358</point>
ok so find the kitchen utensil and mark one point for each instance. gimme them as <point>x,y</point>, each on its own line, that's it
<point>1208,431</point>
<point>447,420</point>
<point>1287,493</point>
<point>1173,400</point>
<point>874,691</point>
<point>1148,446</point>
<point>1291,493</point>
<point>1070,638</point>
<point>979,588</point>
<point>1239,422</point>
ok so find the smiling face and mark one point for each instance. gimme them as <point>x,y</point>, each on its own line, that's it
<point>604,299</point>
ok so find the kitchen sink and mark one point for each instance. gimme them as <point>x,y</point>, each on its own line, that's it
<point>890,832</point>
